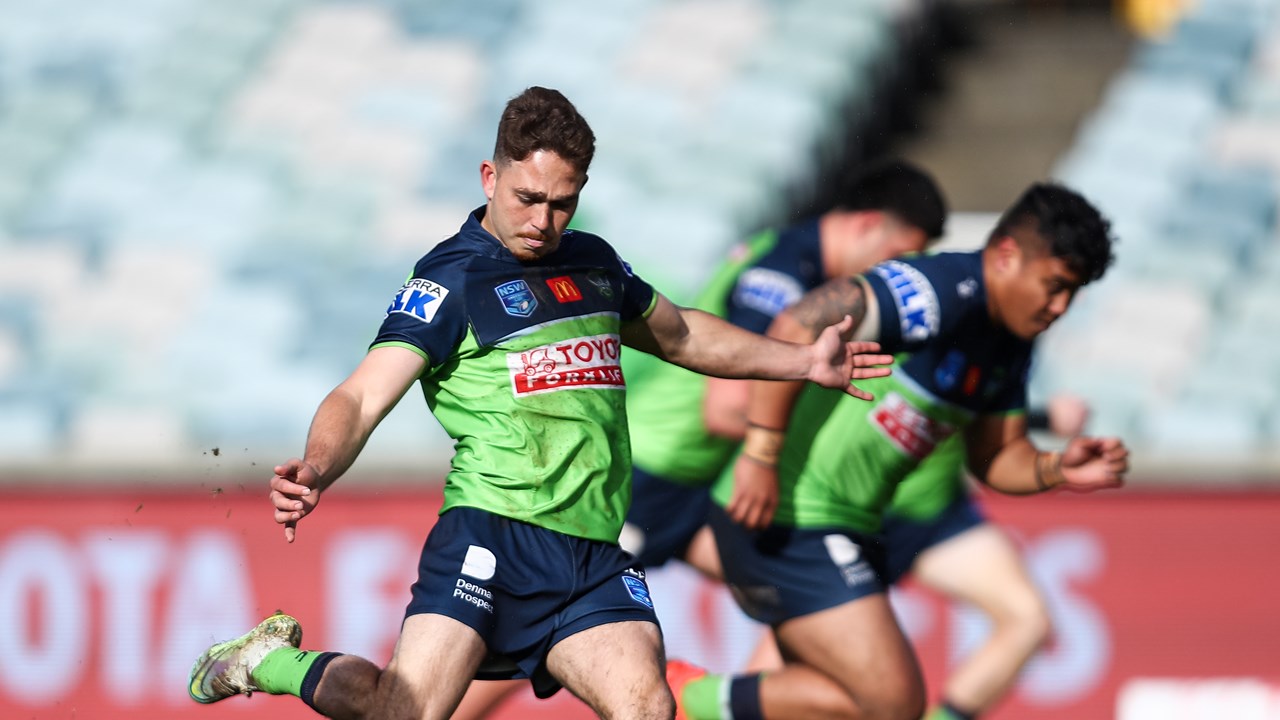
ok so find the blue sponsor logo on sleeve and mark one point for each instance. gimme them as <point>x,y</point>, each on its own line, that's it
<point>419,298</point>
<point>914,300</point>
<point>517,299</point>
<point>767,291</point>
<point>638,591</point>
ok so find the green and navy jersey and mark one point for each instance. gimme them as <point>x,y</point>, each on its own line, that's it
<point>844,457</point>
<point>933,485</point>
<point>761,277</point>
<point>524,374</point>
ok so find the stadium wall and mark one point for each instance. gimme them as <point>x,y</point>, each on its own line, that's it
<point>1162,599</point>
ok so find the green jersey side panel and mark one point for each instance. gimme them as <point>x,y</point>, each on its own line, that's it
<point>934,485</point>
<point>668,436</point>
<point>844,457</point>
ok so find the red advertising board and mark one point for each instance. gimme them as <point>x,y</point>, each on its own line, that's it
<point>1160,599</point>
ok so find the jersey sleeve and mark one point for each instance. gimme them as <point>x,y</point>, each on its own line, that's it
<point>921,299</point>
<point>428,314</point>
<point>759,295</point>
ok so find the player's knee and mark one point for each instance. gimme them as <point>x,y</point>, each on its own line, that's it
<point>908,705</point>
<point>901,699</point>
<point>655,704</point>
<point>1027,615</point>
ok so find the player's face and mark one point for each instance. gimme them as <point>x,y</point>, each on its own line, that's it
<point>1037,291</point>
<point>531,202</point>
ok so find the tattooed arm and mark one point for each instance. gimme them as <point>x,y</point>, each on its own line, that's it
<point>771,402</point>
<point>755,478</point>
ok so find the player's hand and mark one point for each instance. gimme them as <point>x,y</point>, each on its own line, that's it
<point>1091,463</point>
<point>838,361</point>
<point>755,493</point>
<point>292,494</point>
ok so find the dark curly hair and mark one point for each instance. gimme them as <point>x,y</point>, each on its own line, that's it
<point>899,188</point>
<point>543,119</point>
<point>1065,225</point>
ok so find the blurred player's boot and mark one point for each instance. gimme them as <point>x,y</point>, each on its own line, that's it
<point>224,669</point>
<point>680,674</point>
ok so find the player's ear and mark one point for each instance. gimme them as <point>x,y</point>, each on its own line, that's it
<point>488,178</point>
<point>868,220</point>
<point>1008,255</point>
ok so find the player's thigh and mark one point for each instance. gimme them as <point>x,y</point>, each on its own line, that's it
<point>484,696</point>
<point>616,668</point>
<point>434,661</point>
<point>703,555</point>
<point>981,566</point>
<point>860,645</point>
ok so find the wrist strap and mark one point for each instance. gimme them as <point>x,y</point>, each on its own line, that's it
<point>763,444</point>
<point>1048,470</point>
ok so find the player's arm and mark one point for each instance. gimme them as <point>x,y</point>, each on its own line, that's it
<point>340,428</point>
<point>755,478</point>
<point>1001,456</point>
<point>724,407</point>
<point>709,345</point>
<point>770,403</point>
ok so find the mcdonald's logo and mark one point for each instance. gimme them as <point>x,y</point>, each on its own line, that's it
<point>564,289</point>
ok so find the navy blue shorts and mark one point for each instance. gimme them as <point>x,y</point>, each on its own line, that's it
<point>905,538</point>
<point>663,518</point>
<point>524,588</point>
<point>781,572</point>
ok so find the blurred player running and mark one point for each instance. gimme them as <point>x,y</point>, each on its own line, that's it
<point>813,573</point>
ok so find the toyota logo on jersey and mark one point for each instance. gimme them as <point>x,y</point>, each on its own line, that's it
<point>584,362</point>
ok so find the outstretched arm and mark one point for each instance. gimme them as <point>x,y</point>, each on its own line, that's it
<point>1001,456</point>
<point>709,345</point>
<point>339,430</point>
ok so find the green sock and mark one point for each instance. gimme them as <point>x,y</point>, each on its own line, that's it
<point>946,712</point>
<point>701,698</point>
<point>282,671</point>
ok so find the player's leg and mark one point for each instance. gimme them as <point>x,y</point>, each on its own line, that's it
<point>607,646</point>
<point>859,646</point>
<point>616,669</point>
<point>981,566</point>
<point>434,661</point>
<point>766,655</point>
<point>820,588</point>
<point>850,661</point>
<point>484,696</point>
<point>702,555</point>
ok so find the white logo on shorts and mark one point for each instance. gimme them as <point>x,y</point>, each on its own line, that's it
<point>479,563</point>
<point>842,550</point>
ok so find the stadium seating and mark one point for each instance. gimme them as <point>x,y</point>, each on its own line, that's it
<point>204,207</point>
<point>1179,349</point>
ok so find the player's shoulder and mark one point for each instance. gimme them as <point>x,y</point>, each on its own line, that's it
<point>961,270</point>
<point>579,247</point>
<point>450,255</point>
<point>955,262</point>
<point>580,243</point>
